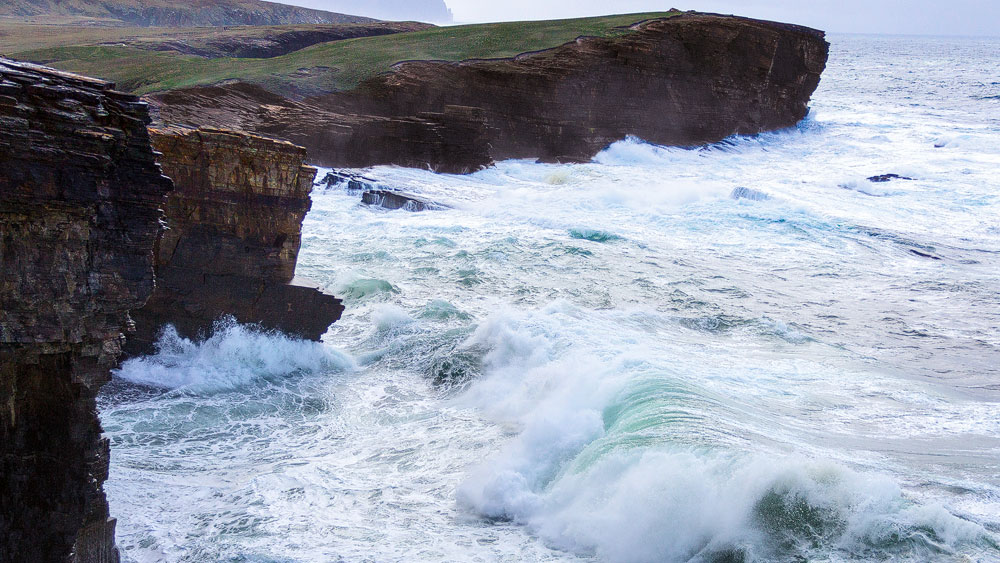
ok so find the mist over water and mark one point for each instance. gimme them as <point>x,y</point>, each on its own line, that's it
<point>620,361</point>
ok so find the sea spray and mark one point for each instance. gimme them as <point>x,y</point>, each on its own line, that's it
<point>234,355</point>
<point>728,380</point>
<point>601,464</point>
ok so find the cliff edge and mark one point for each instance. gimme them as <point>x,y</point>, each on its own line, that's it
<point>234,224</point>
<point>683,80</point>
<point>80,197</point>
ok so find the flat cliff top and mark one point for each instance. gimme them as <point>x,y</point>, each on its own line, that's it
<point>21,38</point>
<point>320,68</point>
<point>172,12</point>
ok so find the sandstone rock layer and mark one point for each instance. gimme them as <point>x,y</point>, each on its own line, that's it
<point>685,80</point>
<point>80,198</point>
<point>234,231</point>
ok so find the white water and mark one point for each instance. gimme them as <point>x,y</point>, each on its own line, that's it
<point>617,360</point>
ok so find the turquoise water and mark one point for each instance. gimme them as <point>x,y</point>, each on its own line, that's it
<point>618,361</point>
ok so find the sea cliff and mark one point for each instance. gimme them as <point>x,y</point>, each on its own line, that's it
<point>683,80</point>
<point>80,198</point>
<point>234,230</point>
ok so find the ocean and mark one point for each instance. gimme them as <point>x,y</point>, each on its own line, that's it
<point>740,352</point>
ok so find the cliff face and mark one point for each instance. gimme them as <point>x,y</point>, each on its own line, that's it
<point>80,194</point>
<point>234,231</point>
<point>685,80</point>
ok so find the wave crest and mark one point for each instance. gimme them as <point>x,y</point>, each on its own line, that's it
<point>233,356</point>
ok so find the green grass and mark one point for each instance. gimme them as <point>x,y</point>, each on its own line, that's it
<point>348,62</point>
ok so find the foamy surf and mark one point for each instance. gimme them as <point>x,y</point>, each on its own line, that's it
<point>235,355</point>
<point>641,358</point>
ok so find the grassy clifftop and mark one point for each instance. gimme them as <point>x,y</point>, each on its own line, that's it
<point>326,67</point>
<point>176,13</point>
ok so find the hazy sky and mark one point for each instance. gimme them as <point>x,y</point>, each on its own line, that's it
<point>923,17</point>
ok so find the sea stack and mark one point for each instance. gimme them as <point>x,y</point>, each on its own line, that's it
<point>80,199</point>
<point>234,227</point>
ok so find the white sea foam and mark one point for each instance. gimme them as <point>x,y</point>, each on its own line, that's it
<point>573,481</point>
<point>233,356</point>
<point>616,359</point>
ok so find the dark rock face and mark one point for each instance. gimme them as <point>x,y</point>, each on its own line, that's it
<point>454,140</point>
<point>80,198</point>
<point>882,178</point>
<point>685,80</point>
<point>234,230</point>
<point>350,182</point>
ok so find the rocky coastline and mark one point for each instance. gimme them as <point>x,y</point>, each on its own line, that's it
<point>234,230</point>
<point>685,80</point>
<point>80,198</point>
<point>109,228</point>
<point>83,244</point>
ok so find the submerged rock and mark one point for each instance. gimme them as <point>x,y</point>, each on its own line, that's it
<point>234,231</point>
<point>351,182</point>
<point>886,178</point>
<point>390,199</point>
<point>80,199</point>
<point>742,192</point>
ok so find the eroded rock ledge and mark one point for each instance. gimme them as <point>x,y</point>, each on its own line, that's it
<point>685,80</point>
<point>80,198</point>
<point>234,231</point>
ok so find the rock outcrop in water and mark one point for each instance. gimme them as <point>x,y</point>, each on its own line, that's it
<point>684,80</point>
<point>234,230</point>
<point>80,198</point>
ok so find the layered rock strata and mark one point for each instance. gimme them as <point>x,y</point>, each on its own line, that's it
<point>684,80</point>
<point>234,231</point>
<point>80,198</point>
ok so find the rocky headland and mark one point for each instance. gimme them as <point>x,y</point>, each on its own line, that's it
<point>84,202</point>
<point>234,230</point>
<point>80,199</point>
<point>683,80</point>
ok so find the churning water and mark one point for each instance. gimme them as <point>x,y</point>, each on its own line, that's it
<point>629,360</point>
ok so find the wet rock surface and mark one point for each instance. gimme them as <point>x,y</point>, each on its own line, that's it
<point>390,199</point>
<point>685,80</point>
<point>347,180</point>
<point>886,178</point>
<point>234,231</point>
<point>80,199</point>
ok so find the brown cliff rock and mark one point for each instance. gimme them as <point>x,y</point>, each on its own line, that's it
<point>233,233</point>
<point>685,80</point>
<point>80,198</point>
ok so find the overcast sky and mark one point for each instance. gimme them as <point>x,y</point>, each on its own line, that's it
<point>919,17</point>
<point>923,17</point>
